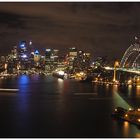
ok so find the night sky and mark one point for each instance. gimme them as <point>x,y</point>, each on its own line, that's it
<point>104,29</point>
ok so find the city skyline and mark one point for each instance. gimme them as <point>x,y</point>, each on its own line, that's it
<point>103,29</point>
<point>69,70</point>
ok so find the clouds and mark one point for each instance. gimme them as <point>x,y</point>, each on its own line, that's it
<point>100,28</point>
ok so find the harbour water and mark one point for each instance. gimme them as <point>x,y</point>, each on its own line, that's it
<point>48,107</point>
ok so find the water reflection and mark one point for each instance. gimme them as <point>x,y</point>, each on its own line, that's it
<point>23,79</point>
<point>0,82</point>
<point>23,85</point>
<point>126,127</point>
<point>129,90</point>
<point>107,86</point>
<point>49,104</point>
<point>120,99</point>
<point>60,85</point>
<point>132,129</point>
<point>22,106</point>
<point>138,90</point>
<point>138,135</point>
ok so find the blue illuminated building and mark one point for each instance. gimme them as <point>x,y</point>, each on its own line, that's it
<point>36,52</point>
<point>22,45</point>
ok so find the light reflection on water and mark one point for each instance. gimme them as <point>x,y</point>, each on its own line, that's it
<point>24,79</point>
<point>138,90</point>
<point>128,129</point>
<point>60,85</point>
<point>126,126</point>
<point>23,83</point>
<point>43,97</point>
<point>129,90</point>
<point>23,95</point>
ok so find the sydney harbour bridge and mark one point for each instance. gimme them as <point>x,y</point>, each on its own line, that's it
<point>128,68</point>
<point>127,72</point>
<point>129,64</point>
<point>131,59</point>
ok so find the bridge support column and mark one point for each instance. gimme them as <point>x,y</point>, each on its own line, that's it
<point>115,69</point>
<point>114,75</point>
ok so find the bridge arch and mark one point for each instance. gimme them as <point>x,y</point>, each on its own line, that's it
<point>135,48</point>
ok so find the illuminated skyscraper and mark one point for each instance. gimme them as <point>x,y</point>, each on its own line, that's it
<point>23,55</point>
<point>72,54</point>
<point>23,50</point>
<point>48,53</point>
<point>82,62</point>
<point>36,56</point>
<point>51,56</point>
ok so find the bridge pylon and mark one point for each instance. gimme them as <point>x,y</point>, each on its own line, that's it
<point>116,64</point>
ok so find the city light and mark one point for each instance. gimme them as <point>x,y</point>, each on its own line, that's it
<point>70,70</point>
<point>108,68</point>
<point>24,56</point>
<point>129,82</point>
<point>130,109</point>
<point>138,120</point>
<point>126,115</point>
<point>61,72</point>
<point>30,43</point>
<point>22,44</point>
<point>75,65</point>
<point>36,52</point>
<point>48,50</point>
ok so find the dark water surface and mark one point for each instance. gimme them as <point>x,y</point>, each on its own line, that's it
<point>51,107</point>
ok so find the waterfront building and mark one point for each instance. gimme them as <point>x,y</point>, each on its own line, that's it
<point>48,53</point>
<point>82,61</point>
<point>23,49</point>
<point>23,55</point>
<point>52,58</point>
<point>70,58</point>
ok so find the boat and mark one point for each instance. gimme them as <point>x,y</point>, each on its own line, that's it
<point>9,90</point>
<point>130,115</point>
<point>60,74</point>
